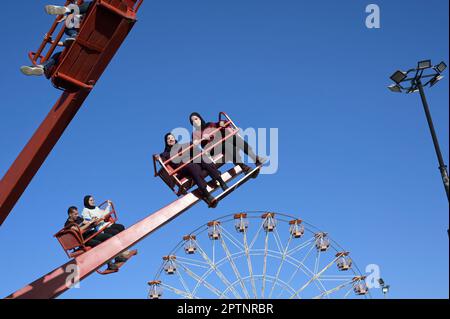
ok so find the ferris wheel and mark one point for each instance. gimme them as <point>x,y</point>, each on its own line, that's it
<point>258,255</point>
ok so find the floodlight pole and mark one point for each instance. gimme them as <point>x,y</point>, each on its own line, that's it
<point>442,166</point>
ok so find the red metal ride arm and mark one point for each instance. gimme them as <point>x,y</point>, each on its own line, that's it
<point>81,66</point>
<point>36,151</point>
<point>58,281</point>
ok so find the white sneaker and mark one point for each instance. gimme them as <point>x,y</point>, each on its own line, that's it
<point>56,10</point>
<point>32,70</point>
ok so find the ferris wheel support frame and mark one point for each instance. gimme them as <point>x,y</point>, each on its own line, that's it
<point>283,251</point>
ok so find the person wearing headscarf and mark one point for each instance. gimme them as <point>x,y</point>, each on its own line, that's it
<point>92,212</point>
<point>191,169</point>
<point>204,135</point>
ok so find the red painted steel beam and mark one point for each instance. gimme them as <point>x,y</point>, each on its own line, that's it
<point>47,135</point>
<point>55,282</point>
<point>22,171</point>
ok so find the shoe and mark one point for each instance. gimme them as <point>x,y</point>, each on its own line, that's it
<point>210,201</point>
<point>112,266</point>
<point>120,260</point>
<point>245,168</point>
<point>56,10</point>
<point>32,70</point>
<point>260,160</point>
<point>68,42</point>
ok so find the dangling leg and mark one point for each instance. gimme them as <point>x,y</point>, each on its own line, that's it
<point>215,174</point>
<point>113,230</point>
<point>194,171</point>
<point>97,240</point>
<point>61,10</point>
<point>56,10</point>
<point>232,151</point>
<point>41,69</point>
<point>242,144</point>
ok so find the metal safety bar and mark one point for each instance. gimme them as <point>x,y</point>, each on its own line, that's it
<point>34,56</point>
<point>226,124</point>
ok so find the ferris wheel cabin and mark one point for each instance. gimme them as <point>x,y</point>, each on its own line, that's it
<point>296,228</point>
<point>322,241</point>
<point>360,287</point>
<point>155,289</point>
<point>190,247</point>
<point>343,262</point>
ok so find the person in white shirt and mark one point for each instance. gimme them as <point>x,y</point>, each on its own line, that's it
<point>92,212</point>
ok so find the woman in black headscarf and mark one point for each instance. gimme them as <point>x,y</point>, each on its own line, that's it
<point>191,169</point>
<point>91,211</point>
<point>231,147</point>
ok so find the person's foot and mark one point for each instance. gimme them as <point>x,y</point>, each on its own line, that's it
<point>32,70</point>
<point>120,259</point>
<point>260,160</point>
<point>210,201</point>
<point>56,10</point>
<point>68,42</point>
<point>112,266</point>
<point>246,169</point>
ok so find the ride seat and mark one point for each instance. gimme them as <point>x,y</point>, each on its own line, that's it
<point>72,240</point>
<point>184,182</point>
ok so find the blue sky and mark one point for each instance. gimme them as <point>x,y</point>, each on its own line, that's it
<point>354,159</point>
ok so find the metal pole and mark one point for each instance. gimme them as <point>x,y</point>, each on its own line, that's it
<point>442,166</point>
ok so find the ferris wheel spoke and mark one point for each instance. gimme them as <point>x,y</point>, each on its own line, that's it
<point>335,278</point>
<point>183,283</point>
<point>284,286</point>
<point>317,262</point>
<point>249,265</point>
<point>266,246</point>
<point>193,262</point>
<point>253,241</point>
<point>302,261</point>
<point>231,238</point>
<point>300,265</point>
<point>348,292</point>
<point>277,238</point>
<point>332,290</point>
<point>200,281</point>
<point>177,291</point>
<point>283,258</point>
<point>308,272</point>
<point>216,269</point>
<point>315,277</point>
<point>301,246</point>
<point>233,266</point>
<point>213,251</point>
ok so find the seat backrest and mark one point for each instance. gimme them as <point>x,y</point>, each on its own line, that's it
<point>166,178</point>
<point>69,239</point>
